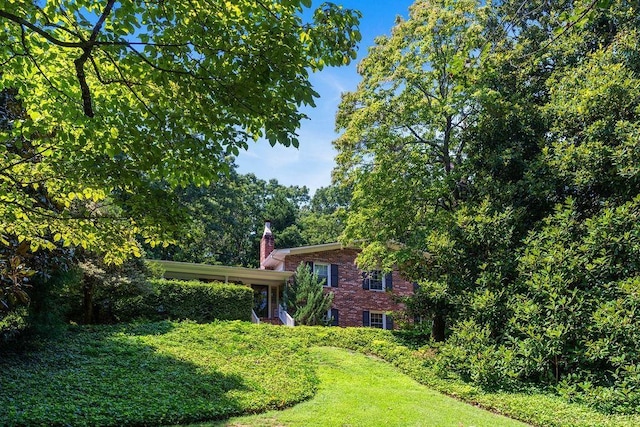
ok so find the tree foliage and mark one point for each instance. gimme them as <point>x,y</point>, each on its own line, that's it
<point>525,248</point>
<point>403,142</point>
<point>106,105</point>
<point>224,221</point>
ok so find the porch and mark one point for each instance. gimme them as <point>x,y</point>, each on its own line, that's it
<point>268,305</point>
<point>267,286</point>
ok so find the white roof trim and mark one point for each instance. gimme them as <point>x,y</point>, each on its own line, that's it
<point>188,270</point>
<point>277,257</point>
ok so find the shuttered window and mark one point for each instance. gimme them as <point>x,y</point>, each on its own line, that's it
<point>322,270</point>
<point>376,281</point>
<point>377,319</point>
<point>326,272</point>
<point>333,317</point>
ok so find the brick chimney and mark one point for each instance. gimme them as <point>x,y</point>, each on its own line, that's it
<point>267,243</point>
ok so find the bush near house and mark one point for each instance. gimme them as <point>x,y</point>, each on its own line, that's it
<point>193,300</point>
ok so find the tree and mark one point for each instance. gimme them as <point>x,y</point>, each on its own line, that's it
<point>107,105</point>
<point>306,299</point>
<point>225,219</point>
<point>403,144</point>
<point>323,220</point>
<point>572,320</point>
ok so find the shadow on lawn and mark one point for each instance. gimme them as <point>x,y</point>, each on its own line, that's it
<point>109,375</point>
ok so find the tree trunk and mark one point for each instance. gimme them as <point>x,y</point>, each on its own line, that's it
<point>437,328</point>
<point>87,302</point>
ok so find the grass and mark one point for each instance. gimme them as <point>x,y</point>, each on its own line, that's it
<point>533,406</point>
<point>356,390</point>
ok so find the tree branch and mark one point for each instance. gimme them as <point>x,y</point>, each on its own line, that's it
<point>37,65</point>
<point>35,28</point>
<point>86,53</point>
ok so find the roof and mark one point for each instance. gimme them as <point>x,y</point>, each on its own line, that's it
<point>188,270</point>
<point>277,256</point>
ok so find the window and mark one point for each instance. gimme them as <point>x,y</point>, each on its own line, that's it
<point>377,319</point>
<point>332,317</point>
<point>322,270</point>
<point>325,271</point>
<point>377,281</point>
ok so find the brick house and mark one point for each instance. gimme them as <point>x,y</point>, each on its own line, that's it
<point>361,298</point>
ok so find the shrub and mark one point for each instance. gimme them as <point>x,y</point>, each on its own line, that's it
<point>100,286</point>
<point>306,299</point>
<point>52,301</point>
<point>179,300</point>
<point>12,324</point>
<point>471,353</point>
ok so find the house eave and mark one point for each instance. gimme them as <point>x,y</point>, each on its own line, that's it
<point>223,273</point>
<point>276,259</point>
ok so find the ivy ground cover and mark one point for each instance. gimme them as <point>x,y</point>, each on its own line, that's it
<point>153,374</point>
<point>179,373</point>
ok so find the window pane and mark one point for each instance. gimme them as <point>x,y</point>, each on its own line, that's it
<point>375,280</point>
<point>376,320</point>
<point>322,270</point>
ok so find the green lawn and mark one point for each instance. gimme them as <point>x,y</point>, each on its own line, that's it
<point>356,390</point>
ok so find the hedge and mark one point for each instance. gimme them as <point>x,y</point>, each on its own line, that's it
<point>181,300</point>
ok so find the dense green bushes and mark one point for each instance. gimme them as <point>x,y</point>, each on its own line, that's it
<point>92,295</point>
<point>179,300</point>
<point>12,324</point>
<point>572,322</point>
<point>532,228</point>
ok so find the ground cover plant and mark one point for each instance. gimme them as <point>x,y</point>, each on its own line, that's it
<point>171,372</point>
<point>153,374</point>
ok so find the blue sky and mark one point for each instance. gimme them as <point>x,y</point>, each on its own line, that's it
<point>312,162</point>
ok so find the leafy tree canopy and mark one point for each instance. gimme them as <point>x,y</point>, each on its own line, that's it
<point>403,143</point>
<point>502,139</point>
<point>106,105</point>
<point>224,220</point>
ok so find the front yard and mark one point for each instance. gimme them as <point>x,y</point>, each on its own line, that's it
<point>356,390</point>
<point>180,372</point>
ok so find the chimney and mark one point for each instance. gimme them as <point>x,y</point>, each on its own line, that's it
<point>267,243</point>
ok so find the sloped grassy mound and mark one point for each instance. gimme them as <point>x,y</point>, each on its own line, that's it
<point>535,406</point>
<point>154,373</point>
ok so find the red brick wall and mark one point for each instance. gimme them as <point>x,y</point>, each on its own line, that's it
<point>350,299</point>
